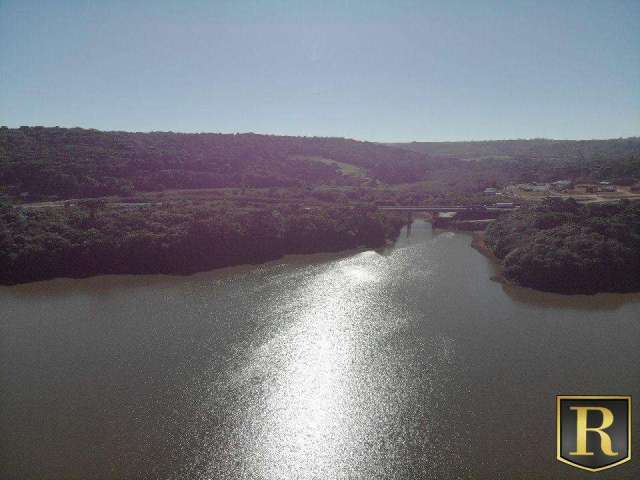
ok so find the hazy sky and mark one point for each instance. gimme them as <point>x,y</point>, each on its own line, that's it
<point>383,71</point>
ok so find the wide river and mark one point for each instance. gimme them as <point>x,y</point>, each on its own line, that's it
<point>404,363</point>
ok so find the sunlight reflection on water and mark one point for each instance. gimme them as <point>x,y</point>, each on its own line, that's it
<point>333,396</point>
<point>309,428</point>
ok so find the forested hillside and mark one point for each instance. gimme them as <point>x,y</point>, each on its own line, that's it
<point>496,163</point>
<point>540,149</point>
<point>38,162</point>
<point>562,246</point>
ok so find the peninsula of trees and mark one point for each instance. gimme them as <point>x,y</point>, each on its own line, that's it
<point>177,238</point>
<point>561,246</point>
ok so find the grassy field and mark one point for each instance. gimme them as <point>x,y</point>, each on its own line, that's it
<point>345,168</point>
<point>581,195</point>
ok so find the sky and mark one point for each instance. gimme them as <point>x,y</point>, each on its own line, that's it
<point>393,70</point>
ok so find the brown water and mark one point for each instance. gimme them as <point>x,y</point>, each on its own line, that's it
<point>406,363</point>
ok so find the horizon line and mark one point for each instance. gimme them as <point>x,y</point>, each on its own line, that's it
<point>202,132</point>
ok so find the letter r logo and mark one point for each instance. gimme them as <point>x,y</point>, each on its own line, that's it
<point>593,432</point>
<point>582,430</point>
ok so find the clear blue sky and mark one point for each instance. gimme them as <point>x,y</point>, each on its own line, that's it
<point>383,71</point>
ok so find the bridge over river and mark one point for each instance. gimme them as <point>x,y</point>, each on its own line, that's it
<point>445,208</point>
<point>466,217</point>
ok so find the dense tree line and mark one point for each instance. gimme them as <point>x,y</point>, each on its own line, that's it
<point>56,163</point>
<point>414,194</point>
<point>496,163</point>
<point>622,171</point>
<point>38,162</point>
<point>534,149</point>
<point>182,237</point>
<point>562,246</point>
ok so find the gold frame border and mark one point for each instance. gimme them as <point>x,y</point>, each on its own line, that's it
<point>593,397</point>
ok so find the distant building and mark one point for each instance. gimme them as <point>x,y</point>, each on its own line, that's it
<point>529,187</point>
<point>442,219</point>
<point>535,187</point>
<point>590,188</point>
<point>607,187</point>
<point>490,191</point>
<point>561,185</point>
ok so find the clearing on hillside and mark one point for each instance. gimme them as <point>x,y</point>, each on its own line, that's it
<point>345,168</point>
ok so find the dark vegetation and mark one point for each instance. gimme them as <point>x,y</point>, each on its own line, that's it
<point>496,163</point>
<point>562,246</point>
<point>536,149</point>
<point>181,237</point>
<point>163,202</point>
<point>39,163</point>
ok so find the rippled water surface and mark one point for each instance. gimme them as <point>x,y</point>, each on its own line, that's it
<point>403,363</point>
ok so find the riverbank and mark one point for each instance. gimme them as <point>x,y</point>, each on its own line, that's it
<point>177,239</point>
<point>478,242</point>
